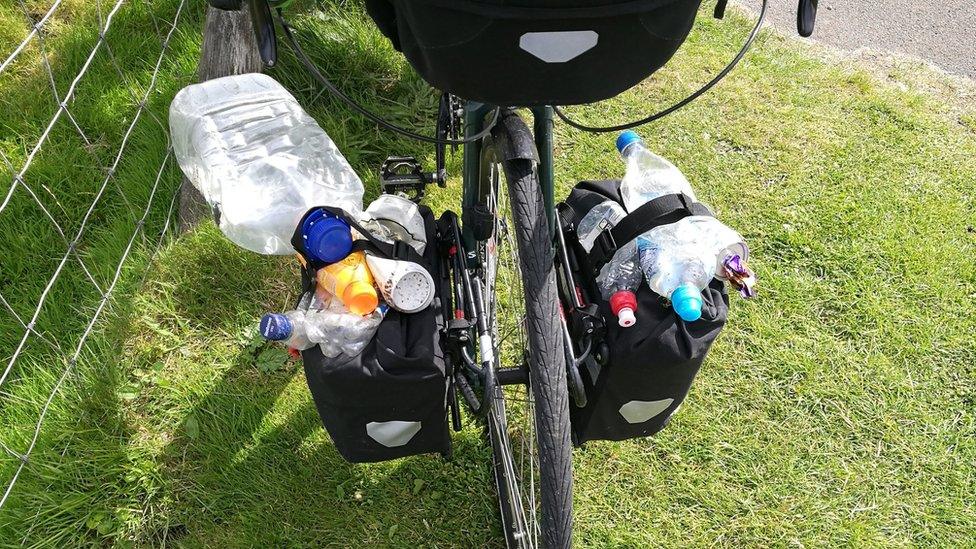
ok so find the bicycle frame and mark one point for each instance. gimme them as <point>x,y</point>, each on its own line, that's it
<point>474,122</point>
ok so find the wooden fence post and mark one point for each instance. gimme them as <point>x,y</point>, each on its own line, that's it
<point>229,47</point>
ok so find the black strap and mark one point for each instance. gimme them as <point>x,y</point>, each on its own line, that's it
<point>582,203</point>
<point>660,211</point>
<point>398,250</point>
<point>720,9</point>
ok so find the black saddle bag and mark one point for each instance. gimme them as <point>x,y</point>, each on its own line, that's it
<point>535,52</point>
<point>391,400</point>
<point>637,377</point>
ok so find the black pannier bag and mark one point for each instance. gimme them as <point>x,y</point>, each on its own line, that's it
<point>645,371</point>
<point>535,52</point>
<point>391,400</point>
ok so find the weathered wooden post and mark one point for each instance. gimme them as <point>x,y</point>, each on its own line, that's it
<point>229,47</point>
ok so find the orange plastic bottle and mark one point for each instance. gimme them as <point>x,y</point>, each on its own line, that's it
<point>351,282</point>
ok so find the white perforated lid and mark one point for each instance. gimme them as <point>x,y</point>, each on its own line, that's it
<point>406,286</point>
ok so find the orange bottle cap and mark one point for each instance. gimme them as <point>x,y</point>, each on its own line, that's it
<point>360,297</point>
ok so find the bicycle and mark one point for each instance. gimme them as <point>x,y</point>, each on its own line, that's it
<point>514,364</point>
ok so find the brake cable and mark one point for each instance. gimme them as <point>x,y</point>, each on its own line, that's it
<point>351,103</point>
<point>701,91</point>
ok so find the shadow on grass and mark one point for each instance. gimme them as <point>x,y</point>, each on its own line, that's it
<point>258,475</point>
<point>246,460</point>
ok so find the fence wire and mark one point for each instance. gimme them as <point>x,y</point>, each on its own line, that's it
<point>41,192</point>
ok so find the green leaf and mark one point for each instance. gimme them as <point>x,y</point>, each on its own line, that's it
<point>393,530</point>
<point>271,359</point>
<point>418,485</point>
<point>94,520</point>
<point>192,427</point>
<point>106,526</point>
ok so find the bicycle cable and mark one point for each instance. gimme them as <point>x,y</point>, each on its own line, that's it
<point>351,103</point>
<point>701,91</point>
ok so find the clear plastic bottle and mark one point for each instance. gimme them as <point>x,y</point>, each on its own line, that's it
<point>258,159</point>
<point>339,332</point>
<point>717,236</point>
<point>648,175</point>
<point>289,328</point>
<point>620,278</point>
<point>334,329</point>
<point>394,217</point>
<point>680,259</point>
<point>674,270</point>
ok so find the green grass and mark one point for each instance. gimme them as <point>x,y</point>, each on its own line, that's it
<point>836,409</point>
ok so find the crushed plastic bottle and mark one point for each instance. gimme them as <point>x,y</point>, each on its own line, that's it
<point>316,299</point>
<point>675,269</point>
<point>393,217</point>
<point>289,328</point>
<point>680,259</point>
<point>339,332</point>
<point>620,278</point>
<point>258,159</point>
<point>648,175</point>
<point>334,329</point>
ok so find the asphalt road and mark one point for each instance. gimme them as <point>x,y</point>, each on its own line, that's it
<point>943,31</point>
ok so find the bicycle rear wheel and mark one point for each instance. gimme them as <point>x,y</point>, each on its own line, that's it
<point>528,424</point>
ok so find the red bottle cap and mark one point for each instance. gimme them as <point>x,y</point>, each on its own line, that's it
<point>624,304</point>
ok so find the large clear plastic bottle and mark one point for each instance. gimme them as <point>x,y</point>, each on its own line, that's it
<point>621,276</point>
<point>258,159</point>
<point>648,175</point>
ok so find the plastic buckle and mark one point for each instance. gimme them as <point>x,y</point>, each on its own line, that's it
<point>401,250</point>
<point>605,246</point>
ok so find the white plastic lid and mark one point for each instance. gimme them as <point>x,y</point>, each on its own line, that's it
<point>626,318</point>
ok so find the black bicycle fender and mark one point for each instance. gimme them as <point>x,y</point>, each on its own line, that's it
<point>522,143</point>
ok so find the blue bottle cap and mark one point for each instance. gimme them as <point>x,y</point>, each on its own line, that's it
<point>275,327</point>
<point>626,138</point>
<point>687,302</point>
<point>327,238</point>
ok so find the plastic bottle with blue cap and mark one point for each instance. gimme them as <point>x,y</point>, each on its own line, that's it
<point>258,159</point>
<point>648,175</point>
<point>336,330</point>
<point>289,328</point>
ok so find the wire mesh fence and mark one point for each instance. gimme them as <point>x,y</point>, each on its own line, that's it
<point>87,190</point>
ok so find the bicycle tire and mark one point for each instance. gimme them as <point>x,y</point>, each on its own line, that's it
<point>545,354</point>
